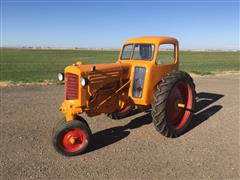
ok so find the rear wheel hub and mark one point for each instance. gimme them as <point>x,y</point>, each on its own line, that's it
<point>178,103</point>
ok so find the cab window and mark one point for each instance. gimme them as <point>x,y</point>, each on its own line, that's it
<point>166,54</point>
<point>127,52</point>
<point>137,52</point>
<point>143,51</point>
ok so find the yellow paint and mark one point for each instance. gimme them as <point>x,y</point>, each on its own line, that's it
<point>154,72</point>
<point>72,140</point>
<point>115,93</point>
<point>79,63</point>
<point>180,105</point>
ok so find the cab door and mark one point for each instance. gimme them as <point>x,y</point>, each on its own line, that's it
<point>166,60</point>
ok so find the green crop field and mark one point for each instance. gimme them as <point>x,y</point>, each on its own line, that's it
<point>29,65</point>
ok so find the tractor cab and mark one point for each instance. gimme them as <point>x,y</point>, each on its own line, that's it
<point>150,57</point>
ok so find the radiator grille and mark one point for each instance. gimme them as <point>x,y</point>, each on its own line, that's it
<point>71,85</point>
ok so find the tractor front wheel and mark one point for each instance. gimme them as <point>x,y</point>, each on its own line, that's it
<point>173,105</point>
<point>72,138</point>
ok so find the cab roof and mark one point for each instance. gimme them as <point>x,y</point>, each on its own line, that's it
<point>152,40</point>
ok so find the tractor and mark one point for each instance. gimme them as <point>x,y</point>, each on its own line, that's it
<point>146,76</point>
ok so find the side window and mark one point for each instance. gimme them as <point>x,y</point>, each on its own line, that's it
<point>127,52</point>
<point>166,54</point>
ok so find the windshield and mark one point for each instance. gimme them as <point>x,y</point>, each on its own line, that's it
<point>137,52</point>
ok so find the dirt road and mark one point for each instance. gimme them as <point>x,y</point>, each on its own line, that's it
<point>129,148</point>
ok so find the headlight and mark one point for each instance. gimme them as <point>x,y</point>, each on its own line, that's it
<point>60,76</point>
<point>83,81</point>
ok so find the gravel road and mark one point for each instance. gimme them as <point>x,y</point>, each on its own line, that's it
<point>126,149</point>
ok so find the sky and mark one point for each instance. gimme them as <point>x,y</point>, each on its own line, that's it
<point>200,24</point>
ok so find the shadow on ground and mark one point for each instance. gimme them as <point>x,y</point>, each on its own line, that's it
<point>109,136</point>
<point>202,113</point>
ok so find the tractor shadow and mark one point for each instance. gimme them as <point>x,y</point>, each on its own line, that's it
<point>202,110</point>
<point>112,135</point>
<point>202,113</point>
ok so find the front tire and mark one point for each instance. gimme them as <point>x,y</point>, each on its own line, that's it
<point>173,105</point>
<point>72,138</point>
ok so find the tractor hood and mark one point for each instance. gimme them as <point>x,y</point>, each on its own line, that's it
<point>98,73</point>
<point>101,68</point>
<point>104,78</point>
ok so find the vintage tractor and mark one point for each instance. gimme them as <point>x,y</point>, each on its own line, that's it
<point>146,76</point>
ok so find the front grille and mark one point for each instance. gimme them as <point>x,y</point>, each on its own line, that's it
<point>71,85</point>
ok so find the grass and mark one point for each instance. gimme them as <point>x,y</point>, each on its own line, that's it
<point>29,65</point>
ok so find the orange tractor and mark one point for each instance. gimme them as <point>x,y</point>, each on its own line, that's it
<point>146,76</point>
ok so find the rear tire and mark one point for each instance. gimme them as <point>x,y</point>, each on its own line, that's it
<point>175,90</point>
<point>72,138</point>
<point>121,114</point>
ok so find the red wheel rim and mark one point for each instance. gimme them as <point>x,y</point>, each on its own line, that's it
<point>126,109</point>
<point>74,140</point>
<point>181,93</point>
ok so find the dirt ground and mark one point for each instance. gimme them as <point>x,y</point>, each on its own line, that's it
<point>126,149</point>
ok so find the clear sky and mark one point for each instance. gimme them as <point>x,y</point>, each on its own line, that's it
<point>200,24</point>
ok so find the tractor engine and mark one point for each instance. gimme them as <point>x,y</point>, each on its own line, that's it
<point>96,89</point>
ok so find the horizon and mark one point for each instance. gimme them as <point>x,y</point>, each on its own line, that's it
<point>201,25</point>
<point>108,49</point>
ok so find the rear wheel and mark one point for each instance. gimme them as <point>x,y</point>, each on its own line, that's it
<point>174,101</point>
<point>125,112</point>
<point>72,138</point>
